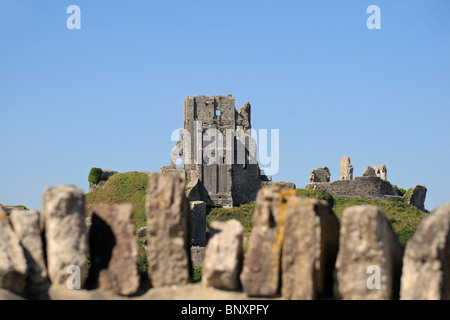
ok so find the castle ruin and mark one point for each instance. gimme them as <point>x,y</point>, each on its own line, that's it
<point>373,184</point>
<point>217,152</point>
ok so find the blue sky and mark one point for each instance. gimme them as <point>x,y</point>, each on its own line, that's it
<point>110,95</point>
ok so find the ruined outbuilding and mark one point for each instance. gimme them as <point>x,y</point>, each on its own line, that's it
<point>373,184</point>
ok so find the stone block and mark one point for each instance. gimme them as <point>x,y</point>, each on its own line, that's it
<point>198,223</point>
<point>262,264</point>
<point>13,265</point>
<point>26,224</point>
<point>370,256</point>
<point>224,255</point>
<point>168,231</point>
<point>114,249</point>
<point>63,209</point>
<point>311,241</point>
<point>426,264</point>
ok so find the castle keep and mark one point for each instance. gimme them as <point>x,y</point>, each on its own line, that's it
<point>218,153</point>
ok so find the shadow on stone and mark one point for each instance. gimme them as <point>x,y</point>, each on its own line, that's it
<point>101,244</point>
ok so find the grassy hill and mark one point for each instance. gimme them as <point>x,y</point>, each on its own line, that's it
<point>130,187</point>
<point>404,217</point>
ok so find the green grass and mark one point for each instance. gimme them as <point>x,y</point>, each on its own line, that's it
<point>197,276</point>
<point>129,187</point>
<point>404,217</point>
<point>242,213</point>
<point>407,194</point>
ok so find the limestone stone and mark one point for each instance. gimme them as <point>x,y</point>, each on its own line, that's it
<point>426,264</point>
<point>320,175</point>
<point>198,223</point>
<point>262,264</point>
<point>197,256</point>
<point>26,225</point>
<point>114,249</point>
<point>311,240</point>
<point>395,190</point>
<point>381,171</point>
<point>369,172</point>
<point>224,255</point>
<point>417,197</point>
<point>13,265</point>
<point>346,169</point>
<point>367,244</point>
<point>63,209</point>
<point>168,230</point>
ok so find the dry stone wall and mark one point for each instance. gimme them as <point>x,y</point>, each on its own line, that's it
<point>297,250</point>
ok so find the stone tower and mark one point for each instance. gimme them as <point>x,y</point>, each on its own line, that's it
<point>219,156</point>
<point>346,169</point>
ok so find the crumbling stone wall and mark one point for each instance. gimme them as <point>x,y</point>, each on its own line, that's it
<point>360,187</point>
<point>220,183</point>
<point>373,184</point>
<point>346,169</point>
<point>417,197</point>
<point>381,171</point>
<point>320,175</point>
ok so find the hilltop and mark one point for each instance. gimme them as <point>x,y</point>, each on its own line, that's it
<point>129,187</point>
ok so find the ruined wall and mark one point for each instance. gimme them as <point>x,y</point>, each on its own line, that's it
<point>417,197</point>
<point>233,178</point>
<point>320,175</point>
<point>372,184</point>
<point>246,183</point>
<point>360,187</point>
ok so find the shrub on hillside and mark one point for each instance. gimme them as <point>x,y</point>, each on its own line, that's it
<point>95,175</point>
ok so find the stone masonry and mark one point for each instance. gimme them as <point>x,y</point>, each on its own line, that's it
<point>417,197</point>
<point>229,175</point>
<point>346,169</point>
<point>373,184</point>
<point>320,175</point>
